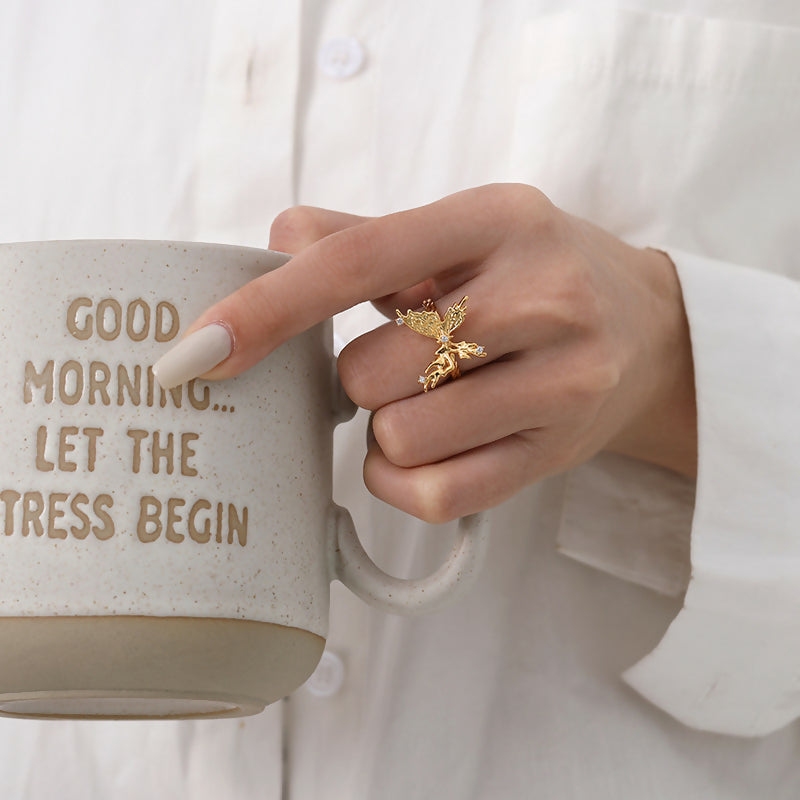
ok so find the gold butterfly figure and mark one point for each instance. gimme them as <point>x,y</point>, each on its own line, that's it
<point>429,323</point>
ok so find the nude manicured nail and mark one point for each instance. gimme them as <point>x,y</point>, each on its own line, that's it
<point>193,356</point>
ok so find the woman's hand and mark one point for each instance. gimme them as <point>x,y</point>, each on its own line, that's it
<point>586,338</point>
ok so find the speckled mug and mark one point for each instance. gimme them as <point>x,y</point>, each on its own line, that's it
<point>167,554</point>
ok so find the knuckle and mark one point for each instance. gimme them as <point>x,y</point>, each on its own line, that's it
<point>546,221</point>
<point>602,369</point>
<point>534,212</point>
<point>294,229</point>
<point>562,313</point>
<point>604,376</point>
<point>392,435</point>
<point>515,203</point>
<point>358,377</point>
<point>436,498</point>
<point>596,376</point>
<point>572,298</point>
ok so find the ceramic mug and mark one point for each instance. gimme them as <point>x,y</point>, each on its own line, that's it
<point>167,554</point>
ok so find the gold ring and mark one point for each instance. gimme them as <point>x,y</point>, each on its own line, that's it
<point>429,323</point>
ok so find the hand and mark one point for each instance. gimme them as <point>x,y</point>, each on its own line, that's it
<point>587,341</point>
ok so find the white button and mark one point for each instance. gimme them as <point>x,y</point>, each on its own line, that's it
<point>341,58</point>
<point>328,677</point>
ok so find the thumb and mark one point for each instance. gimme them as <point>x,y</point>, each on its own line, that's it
<point>296,228</point>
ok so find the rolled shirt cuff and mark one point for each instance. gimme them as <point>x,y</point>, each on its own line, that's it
<point>730,660</point>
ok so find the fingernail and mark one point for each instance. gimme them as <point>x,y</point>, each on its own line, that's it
<point>193,356</point>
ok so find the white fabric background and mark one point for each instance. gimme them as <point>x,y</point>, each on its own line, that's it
<point>670,123</point>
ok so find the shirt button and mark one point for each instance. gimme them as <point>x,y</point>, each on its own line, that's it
<point>328,677</point>
<point>341,58</point>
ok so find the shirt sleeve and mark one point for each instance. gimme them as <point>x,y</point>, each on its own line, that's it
<point>730,660</point>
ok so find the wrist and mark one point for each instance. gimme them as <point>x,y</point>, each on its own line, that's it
<point>664,431</point>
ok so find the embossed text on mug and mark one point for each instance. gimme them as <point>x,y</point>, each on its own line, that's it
<point>73,449</point>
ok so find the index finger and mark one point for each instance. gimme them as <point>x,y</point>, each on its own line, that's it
<point>376,258</point>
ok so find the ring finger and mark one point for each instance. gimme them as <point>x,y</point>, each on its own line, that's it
<point>489,404</point>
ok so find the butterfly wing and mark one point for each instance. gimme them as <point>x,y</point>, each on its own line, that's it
<point>469,349</point>
<point>455,315</point>
<point>428,323</point>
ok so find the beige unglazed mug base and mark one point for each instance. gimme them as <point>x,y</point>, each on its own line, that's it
<point>136,667</point>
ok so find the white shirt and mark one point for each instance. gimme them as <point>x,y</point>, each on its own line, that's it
<point>669,123</point>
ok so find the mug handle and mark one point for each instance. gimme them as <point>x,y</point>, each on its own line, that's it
<point>350,563</point>
<point>359,573</point>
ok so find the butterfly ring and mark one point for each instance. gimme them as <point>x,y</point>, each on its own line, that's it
<point>429,323</point>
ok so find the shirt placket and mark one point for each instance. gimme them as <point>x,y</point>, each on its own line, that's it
<point>244,176</point>
<point>246,152</point>
<point>336,114</point>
